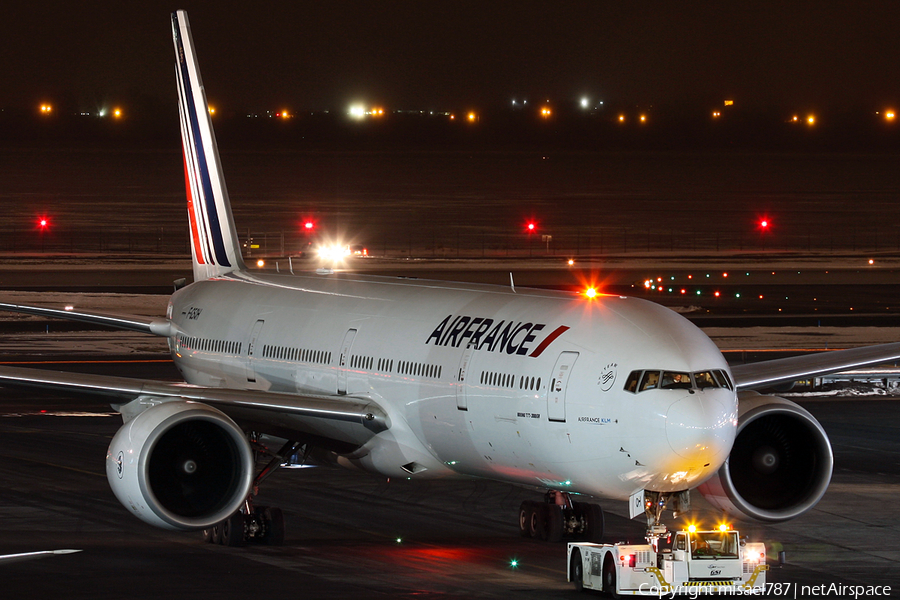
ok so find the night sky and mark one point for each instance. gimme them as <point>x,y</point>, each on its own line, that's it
<point>454,55</point>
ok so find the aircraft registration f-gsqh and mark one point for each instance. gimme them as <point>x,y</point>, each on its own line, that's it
<point>609,396</point>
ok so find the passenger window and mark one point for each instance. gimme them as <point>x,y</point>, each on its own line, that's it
<point>632,382</point>
<point>705,380</point>
<point>650,380</point>
<point>672,380</point>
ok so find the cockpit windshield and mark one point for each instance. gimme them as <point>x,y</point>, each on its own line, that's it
<point>641,381</point>
<point>672,380</point>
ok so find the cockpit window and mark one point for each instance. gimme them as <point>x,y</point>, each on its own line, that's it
<point>704,379</point>
<point>632,381</point>
<point>640,381</point>
<point>673,380</point>
<point>650,381</point>
<point>724,381</point>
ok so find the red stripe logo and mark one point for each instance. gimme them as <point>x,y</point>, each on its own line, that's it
<point>195,234</point>
<point>549,340</point>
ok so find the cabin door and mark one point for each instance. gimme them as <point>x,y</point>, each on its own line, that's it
<point>461,402</point>
<point>344,362</point>
<point>559,380</point>
<point>252,350</point>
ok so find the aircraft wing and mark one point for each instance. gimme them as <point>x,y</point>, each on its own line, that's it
<point>344,419</point>
<point>769,373</point>
<point>155,326</point>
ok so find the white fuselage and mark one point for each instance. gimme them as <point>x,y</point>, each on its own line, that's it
<point>476,380</point>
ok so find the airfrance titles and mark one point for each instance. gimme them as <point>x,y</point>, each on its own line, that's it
<point>481,333</point>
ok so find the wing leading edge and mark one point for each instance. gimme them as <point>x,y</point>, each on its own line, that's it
<point>765,374</point>
<point>156,326</point>
<point>343,419</point>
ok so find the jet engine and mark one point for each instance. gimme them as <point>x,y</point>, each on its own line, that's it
<point>180,465</point>
<point>780,464</point>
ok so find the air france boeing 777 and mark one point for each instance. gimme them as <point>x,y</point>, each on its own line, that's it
<point>610,397</point>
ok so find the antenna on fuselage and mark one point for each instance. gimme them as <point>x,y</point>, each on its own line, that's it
<point>512,284</point>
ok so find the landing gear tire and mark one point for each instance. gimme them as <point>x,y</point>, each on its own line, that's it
<point>595,523</point>
<point>232,530</point>
<point>592,517</point>
<point>609,578</point>
<point>537,521</point>
<point>554,523</point>
<point>524,512</point>
<point>207,535</point>
<point>576,570</point>
<point>274,522</point>
<point>215,535</point>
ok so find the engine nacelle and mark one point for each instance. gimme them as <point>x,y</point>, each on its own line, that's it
<point>180,465</point>
<point>780,464</point>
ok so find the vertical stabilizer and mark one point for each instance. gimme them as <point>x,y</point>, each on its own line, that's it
<point>214,242</point>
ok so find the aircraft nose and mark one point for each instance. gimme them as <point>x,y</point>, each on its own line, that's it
<point>700,427</point>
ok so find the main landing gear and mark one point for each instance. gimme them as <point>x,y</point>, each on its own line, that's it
<point>261,524</point>
<point>558,516</point>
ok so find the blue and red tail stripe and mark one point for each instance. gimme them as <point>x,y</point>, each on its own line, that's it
<point>213,237</point>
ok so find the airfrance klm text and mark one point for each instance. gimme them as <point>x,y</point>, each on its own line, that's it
<point>481,333</point>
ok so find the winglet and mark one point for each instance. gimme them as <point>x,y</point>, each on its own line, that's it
<point>214,242</point>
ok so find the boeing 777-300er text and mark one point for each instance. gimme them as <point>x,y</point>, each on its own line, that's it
<point>609,397</point>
